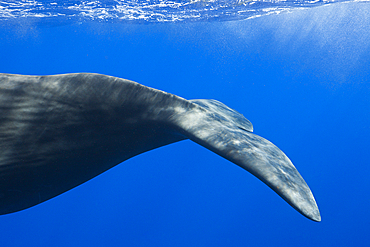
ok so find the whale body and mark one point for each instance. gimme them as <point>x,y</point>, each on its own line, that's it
<point>59,131</point>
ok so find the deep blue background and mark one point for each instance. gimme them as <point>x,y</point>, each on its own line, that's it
<point>301,78</point>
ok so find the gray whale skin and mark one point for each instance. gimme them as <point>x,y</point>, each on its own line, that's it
<point>59,131</point>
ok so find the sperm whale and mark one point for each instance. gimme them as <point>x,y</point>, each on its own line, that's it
<point>59,131</point>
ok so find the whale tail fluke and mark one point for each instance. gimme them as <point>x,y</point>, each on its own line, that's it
<point>227,133</point>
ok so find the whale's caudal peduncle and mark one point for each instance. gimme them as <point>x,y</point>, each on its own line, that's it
<point>59,131</point>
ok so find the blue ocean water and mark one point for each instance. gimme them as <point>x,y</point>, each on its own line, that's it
<point>301,76</point>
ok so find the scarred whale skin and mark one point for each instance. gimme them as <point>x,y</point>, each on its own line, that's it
<point>59,131</point>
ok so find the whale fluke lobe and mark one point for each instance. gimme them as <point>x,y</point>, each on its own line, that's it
<point>227,133</point>
<point>59,131</point>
